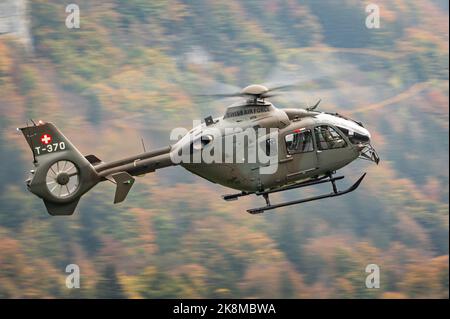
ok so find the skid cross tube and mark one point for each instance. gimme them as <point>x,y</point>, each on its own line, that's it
<point>303,184</point>
<point>335,192</point>
<point>230,197</point>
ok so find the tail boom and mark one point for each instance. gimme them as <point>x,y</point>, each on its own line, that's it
<point>62,174</point>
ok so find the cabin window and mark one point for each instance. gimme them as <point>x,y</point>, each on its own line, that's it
<point>328,138</point>
<point>300,142</point>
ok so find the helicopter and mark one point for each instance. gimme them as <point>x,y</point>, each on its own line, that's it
<point>300,147</point>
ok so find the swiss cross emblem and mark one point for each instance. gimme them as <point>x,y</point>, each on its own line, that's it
<point>46,138</point>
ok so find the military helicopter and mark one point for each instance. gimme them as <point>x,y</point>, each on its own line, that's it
<point>305,147</point>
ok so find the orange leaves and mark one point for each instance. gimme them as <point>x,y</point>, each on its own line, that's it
<point>5,62</point>
<point>264,280</point>
<point>428,279</point>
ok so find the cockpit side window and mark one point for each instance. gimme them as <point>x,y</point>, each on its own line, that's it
<point>328,138</point>
<point>299,142</point>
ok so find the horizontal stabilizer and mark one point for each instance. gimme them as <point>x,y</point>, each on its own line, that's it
<point>94,160</point>
<point>124,182</point>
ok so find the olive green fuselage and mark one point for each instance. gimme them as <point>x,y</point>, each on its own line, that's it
<point>287,167</point>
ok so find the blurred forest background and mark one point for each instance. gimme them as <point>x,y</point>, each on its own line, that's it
<point>131,71</point>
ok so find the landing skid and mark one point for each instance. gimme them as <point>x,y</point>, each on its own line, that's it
<point>269,206</point>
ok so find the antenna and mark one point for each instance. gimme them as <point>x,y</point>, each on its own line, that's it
<point>143,145</point>
<point>31,142</point>
<point>310,108</point>
<point>32,122</point>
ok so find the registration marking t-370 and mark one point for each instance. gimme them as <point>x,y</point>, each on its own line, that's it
<point>50,148</point>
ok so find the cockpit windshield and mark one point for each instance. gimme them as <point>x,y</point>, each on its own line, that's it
<point>354,137</point>
<point>345,118</point>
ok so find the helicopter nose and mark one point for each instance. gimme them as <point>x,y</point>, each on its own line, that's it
<point>367,150</point>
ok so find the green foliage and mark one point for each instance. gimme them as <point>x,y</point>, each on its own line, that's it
<point>155,283</point>
<point>108,286</point>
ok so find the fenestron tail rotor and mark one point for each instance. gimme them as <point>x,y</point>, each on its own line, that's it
<point>62,179</point>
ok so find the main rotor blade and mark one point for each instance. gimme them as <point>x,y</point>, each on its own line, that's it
<point>283,87</point>
<point>219,95</point>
